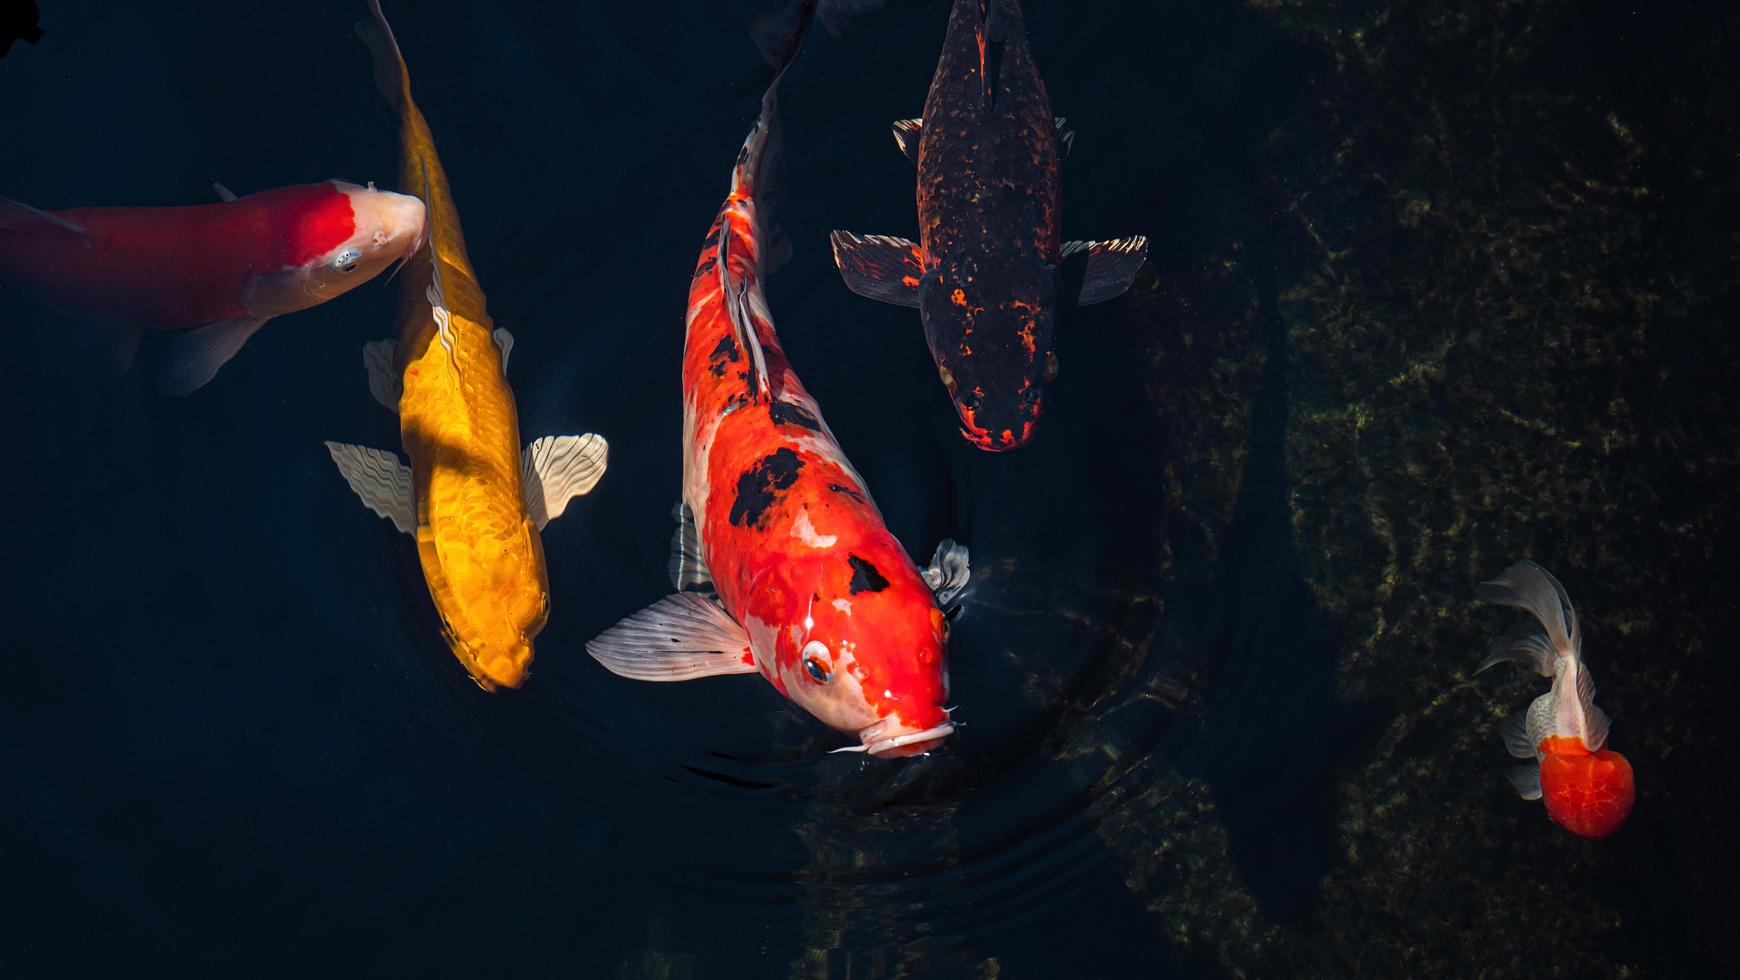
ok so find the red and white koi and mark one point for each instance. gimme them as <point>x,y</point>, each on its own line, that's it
<point>1588,788</point>
<point>807,586</point>
<point>224,268</point>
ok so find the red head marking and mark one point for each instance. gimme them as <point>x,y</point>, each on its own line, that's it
<point>1588,794</point>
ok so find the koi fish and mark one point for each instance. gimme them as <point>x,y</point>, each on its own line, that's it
<point>985,272</point>
<point>1587,788</point>
<point>472,499</point>
<point>781,559</point>
<point>224,269</point>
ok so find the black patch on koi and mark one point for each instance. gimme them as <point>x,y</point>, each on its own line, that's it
<point>786,413</point>
<point>847,491</point>
<point>725,352</point>
<point>865,577</point>
<point>760,488</point>
<point>707,265</point>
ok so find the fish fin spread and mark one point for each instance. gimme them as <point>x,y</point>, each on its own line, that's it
<point>390,75</point>
<point>736,295</point>
<point>1109,269</point>
<point>1526,643</point>
<point>1526,780</point>
<point>380,480</point>
<point>1595,721</point>
<point>1514,730</point>
<point>1065,138</point>
<point>224,193</point>
<point>384,380</point>
<point>948,573</point>
<point>195,356</point>
<point>879,267</point>
<point>678,638</point>
<point>18,216</point>
<point>688,569</point>
<point>1527,585</point>
<point>906,134</point>
<point>504,341</point>
<point>556,469</point>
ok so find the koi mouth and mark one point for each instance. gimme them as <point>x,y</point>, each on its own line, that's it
<point>876,739</point>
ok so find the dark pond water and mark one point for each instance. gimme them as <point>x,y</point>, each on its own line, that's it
<point>1213,673</point>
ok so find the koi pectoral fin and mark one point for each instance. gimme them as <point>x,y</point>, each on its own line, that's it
<point>1065,138</point>
<point>195,356</point>
<point>18,216</point>
<point>678,638</point>
<point>1514,730</point>
<point>879,267</point>
<point>688,568</point>
<point>1526,780</point>
<point>1108,269</point>
<point>223,193</point>
<point>380,481</point>
<point>906,134</point>
<point>504,342</point>
<point>556,469</point>
<point>384,381</point>
<point>948,573</point>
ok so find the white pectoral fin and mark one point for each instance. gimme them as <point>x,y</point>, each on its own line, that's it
<point>1526,780</point>
<point>1516,737</point>
<point>380,480</point>
<point>948,573</point>
<point>384,381</point>
<point>195,356</point>
<point>224,193</point>
<point>505,342</point>
<point>678,638</point>
<point>556,469</point>
<point>688,569</point>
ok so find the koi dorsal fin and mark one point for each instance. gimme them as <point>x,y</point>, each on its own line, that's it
<point>735,295</point>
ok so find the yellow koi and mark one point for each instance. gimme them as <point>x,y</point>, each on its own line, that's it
<point>474,501</point>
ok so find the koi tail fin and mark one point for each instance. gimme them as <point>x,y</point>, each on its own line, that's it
<point>1527,585</point>
<point>391,75</point>
<point>780,36</point>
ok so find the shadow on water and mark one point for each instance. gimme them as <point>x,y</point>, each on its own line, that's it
<point>1274,733</point>
<point>18,22</point>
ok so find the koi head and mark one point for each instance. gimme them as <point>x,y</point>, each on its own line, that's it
<point>1588,793</point>
<point>337,240</point>
<point>866,655</point>
<point>995,348</point>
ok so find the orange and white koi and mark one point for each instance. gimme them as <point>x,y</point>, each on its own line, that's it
<point>472,499</point>
<point>797,577</point>
<point>1588,788</point>
<point>223,269</point>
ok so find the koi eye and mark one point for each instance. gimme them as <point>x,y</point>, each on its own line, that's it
<point>971,401</point>
<point>1051,366</point>
<point>815,663</point>
<point>347,260</point>
<point>948,377</point>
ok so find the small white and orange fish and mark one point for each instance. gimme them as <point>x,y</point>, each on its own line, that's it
<point>1588,788</point>
<point>807,585</point>
<point>474,502</point>
<point>223,269</point>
